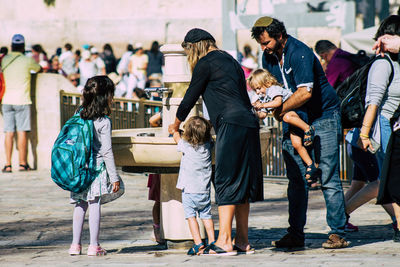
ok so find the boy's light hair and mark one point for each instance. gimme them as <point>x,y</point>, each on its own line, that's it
<point>195,51</point>
<point>197,131</point>
<point>262,77</point>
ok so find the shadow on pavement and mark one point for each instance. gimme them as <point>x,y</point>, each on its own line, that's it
<point>134,249</point>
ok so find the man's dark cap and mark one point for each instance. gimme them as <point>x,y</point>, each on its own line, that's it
<point>196,35</point>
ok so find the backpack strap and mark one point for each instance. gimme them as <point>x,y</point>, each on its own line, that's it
<point>10,62</point>
<point>391,68</point>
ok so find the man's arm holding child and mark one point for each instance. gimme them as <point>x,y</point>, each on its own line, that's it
<point>298,99</point>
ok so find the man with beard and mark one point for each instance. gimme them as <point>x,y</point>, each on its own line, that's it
<point>297,68</point>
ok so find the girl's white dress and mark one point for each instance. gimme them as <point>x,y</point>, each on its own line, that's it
<point>102,185</point>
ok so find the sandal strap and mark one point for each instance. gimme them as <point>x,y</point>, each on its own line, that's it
<point>6,167</point>
<point>310,169</point>
<point>311,131</point>
<point>195,249</point>
<point>26,166</point>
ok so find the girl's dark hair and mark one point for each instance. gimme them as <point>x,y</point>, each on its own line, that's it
<point>197,131</point>
<point>97,95</point>
<point>38,48</point>
<point>275,29</point>
<point>390,25</point>
<point>154,47</point>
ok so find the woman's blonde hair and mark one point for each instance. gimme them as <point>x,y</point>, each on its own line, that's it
<point>197,50</point>
<point>197,131</point>
<point>262,77</point>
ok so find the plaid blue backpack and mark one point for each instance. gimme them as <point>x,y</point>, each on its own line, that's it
<point>72,163</point>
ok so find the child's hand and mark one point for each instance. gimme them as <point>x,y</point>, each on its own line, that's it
<point>172,129</point>
<point>115,187</point>
<point>177,136</point>
<point>258,105</point>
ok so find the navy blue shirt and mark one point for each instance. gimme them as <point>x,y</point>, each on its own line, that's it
<point>302,68</point>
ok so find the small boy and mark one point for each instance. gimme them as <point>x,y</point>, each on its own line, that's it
<point>195,178</point>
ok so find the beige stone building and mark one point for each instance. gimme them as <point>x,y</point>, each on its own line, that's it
<point>96,22</point>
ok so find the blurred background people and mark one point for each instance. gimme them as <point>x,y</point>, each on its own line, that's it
<point>40,56</point>
<point>137,70</point>
<point>109,59</point>
<point>67,60</point>
<point>338,62</point>
<point>87,68</point>
<point>99,63</point>
<point>156,60</point>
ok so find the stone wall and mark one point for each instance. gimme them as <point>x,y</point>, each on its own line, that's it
<point>97,22</point>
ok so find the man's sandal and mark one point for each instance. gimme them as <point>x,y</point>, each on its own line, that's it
<point>195,250</point>
<point>313,176</point>
<point>309,136</point>
<point>7,169</point>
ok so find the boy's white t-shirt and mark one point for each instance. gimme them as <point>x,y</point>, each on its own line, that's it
<point>195,169</point>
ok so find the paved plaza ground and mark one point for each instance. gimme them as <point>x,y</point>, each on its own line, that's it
<point>36,220</point>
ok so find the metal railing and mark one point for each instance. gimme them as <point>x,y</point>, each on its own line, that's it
<point>275,163</point>
<point>128,113</point>
<point>125,113</point>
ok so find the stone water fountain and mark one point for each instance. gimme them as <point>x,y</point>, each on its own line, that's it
<point>152,150</point>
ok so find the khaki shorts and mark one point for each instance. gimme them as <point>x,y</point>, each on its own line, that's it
<point>16,118</point>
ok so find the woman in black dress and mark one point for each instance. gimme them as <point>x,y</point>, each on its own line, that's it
<point>219,79</point>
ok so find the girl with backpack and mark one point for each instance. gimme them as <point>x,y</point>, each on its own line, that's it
<point>97,98</point>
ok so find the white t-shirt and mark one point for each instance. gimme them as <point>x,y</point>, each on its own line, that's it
<point>273,92</point>
<point>87,69</point>
<point>68,62</point>
<point>124,62</point>
<point>99,65</point>
<point>195,170</point>
<point>139,64</point>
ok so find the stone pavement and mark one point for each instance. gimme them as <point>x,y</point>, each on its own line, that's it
<point>35,230</point>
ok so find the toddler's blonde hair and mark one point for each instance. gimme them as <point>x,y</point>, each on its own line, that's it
<point>197,131</point>
<point>261,77</point>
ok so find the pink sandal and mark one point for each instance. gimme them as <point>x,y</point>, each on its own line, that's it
<point>75,249</point>
<point>96,251</point>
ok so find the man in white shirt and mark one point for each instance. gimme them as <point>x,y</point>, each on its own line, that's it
<point>100,65</point>
<point>137,70</point>
<point>67,60</point>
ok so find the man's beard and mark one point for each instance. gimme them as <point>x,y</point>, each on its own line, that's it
<point>277,48</point>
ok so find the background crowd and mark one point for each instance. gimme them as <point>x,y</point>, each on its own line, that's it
<point>136,69</point>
